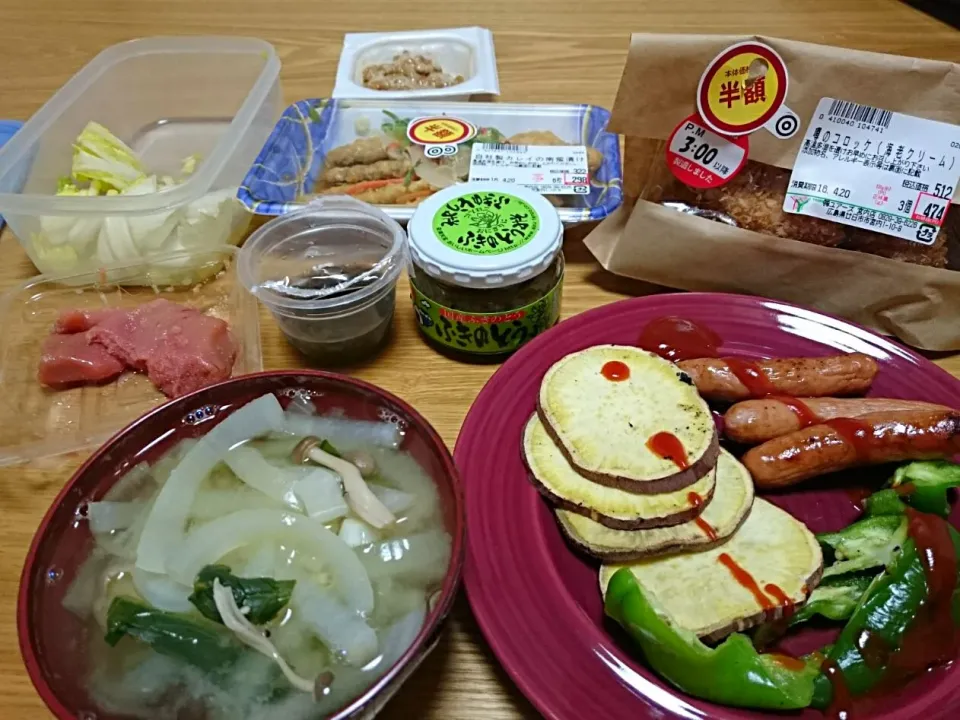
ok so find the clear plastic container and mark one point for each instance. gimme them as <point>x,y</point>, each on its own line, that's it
<point>467,52</point>
<point>36,421</point>
<point>328,273</point>
<point>290,169</point>
<point>167,98</point>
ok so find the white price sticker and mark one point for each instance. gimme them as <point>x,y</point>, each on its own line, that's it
<point>874,169</point>
<point>547,169</point>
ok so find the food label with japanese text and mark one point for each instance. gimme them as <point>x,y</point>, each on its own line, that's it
<point>874,169</point>
<point>701,158</point>
<point>485,333</point>
<point>486,223</point>
<point>547,169</point>
<point>743,89</point>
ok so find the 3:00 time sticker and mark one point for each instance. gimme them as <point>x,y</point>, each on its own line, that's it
<point>701,158</point>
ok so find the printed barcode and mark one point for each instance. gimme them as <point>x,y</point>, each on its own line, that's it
<point>860,113</point>
<point>501,147</point>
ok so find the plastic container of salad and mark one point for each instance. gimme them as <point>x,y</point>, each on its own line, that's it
<point>38,421</point>
<point>394,154</point>
<point>206,102</point>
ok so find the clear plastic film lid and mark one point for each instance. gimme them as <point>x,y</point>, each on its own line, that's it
<point>333,253</point>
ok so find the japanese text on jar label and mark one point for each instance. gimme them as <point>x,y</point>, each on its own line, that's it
<point>485,333</point>
<point>486,223</point>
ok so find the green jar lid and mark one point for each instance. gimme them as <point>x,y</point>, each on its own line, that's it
<point>485,235</point>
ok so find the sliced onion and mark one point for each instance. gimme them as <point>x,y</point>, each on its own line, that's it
<point>163,532</point>
<point>421,558</point>
<point>261,564</point>
<point>106,516</point>
<point>162,592</point>
<point>87,584</point>
<point>343,431</point>
<point>136,483</point>
<point>400,636</point>
<point>252,468</point>
<point>210,542</point>
<point>339,628</point>
<point>210,504</point>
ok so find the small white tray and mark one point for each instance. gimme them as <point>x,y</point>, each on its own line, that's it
<point>461,51</point>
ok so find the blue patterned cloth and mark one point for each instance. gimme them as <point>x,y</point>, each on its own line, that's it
<point>7,129</point>
<point>288,165</point>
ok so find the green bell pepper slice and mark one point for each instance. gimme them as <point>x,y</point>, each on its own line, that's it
<point>887,612</point>
<point>733,673</point>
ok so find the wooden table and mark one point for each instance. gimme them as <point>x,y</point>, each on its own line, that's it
<point>565,51</point>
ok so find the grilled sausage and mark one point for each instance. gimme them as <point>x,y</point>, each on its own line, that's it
<point>733,379</point>
<point>755,421</point>
<point>843,443</point>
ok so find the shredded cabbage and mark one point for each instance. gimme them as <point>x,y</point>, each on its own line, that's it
<point>104,165</point>
<point>101,156</point>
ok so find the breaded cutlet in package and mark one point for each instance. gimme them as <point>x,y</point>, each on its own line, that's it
<point>812,174</point>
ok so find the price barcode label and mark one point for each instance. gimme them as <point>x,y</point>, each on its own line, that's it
<point>547,169</point>
<point>845,110</point>
<point>504,148</point>
<point>877,170</point>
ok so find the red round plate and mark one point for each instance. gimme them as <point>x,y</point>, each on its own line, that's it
<point>539,603</point>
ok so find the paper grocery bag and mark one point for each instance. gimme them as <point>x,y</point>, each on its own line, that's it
<point>645,240</point>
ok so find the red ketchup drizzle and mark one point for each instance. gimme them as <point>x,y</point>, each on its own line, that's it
<point>667,446</point>
<point>842,702</point>
<point>697,501</point>
<point>746,580</point>
<point>800,409</point>
<point>858,434</point>
<point>930,639</point>
<point>675,338</point>
<point>615,371</point>
<point>781,597</point>
<point>751,375</point>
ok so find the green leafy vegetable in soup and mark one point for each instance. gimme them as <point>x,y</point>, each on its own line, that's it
<point>261,598</point>
<point>239,575</point>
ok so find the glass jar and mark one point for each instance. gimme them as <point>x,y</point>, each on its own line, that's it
<point>486,270</point>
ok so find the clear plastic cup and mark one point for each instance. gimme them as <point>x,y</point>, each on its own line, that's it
<point>328,273</point>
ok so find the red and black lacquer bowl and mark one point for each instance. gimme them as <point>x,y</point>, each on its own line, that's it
<point>54,642</point>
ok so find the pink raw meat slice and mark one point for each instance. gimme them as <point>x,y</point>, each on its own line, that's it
<point>78,321</point>
<point>70,359</point>
<point>179,348</point>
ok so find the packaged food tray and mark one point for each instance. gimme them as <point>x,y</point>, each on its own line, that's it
<point>294,160</point>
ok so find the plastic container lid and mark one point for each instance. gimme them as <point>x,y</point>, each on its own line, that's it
<point>332,255</point>
<point>7,130</point>
<point>485,234</point>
